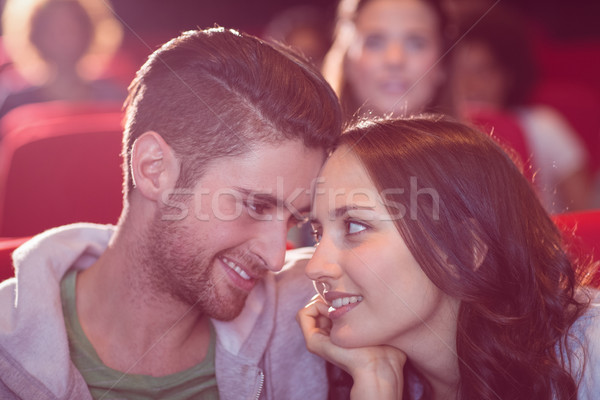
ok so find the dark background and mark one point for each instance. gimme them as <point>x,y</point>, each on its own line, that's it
<point>567,32</point>
<point>564,19</point>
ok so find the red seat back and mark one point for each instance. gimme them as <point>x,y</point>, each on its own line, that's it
<point>580,106</point>
<point>7,246</point>
<point>582,234</point>
<point>61,171</point>
<point>506,130</point>
<point>41,113</point>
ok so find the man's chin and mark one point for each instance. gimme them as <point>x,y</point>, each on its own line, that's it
<point>228,312</point>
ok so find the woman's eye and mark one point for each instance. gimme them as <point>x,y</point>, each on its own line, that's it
<point>355,227</point>
<point>416,43</point>
<point>374,42</point>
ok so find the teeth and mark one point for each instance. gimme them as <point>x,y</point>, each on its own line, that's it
<point>344,301</point>
<point>236,268</point>
<point>242,273</point>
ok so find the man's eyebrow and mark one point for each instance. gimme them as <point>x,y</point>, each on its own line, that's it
<point>263,197</point>
<point>271,200</point>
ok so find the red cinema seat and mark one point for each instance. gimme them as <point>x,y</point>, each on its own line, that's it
<point>40,113</point>
<point>60,171</point>
<point>580,106</point>
<point>582,234</point>
<point>7,246</point>
<point>506,130</point>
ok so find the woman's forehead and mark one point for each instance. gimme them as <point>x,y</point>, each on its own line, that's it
<point>344,180</point>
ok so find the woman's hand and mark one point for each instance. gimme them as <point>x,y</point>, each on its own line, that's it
<point>376,370</point>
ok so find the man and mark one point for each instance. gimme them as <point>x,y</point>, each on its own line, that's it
<point>224,135</point>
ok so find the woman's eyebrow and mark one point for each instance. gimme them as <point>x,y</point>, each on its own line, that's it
<point>343,210</point>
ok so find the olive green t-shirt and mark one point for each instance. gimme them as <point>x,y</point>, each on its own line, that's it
<point>198,382</point>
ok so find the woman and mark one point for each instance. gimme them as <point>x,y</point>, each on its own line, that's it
<point>440,274</point>
<point>387,56</point>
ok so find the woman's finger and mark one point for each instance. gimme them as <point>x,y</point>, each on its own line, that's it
<point>313,318</point>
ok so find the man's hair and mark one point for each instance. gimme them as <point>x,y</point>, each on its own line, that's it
<point>216,93</point>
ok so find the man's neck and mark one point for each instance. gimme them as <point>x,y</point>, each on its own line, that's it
<point>132,328</point>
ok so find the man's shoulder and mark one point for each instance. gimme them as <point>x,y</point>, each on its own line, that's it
<point>292,371</point>
<point>295,261</point>
<point>292,277</point>
<point>64,242</point>
<point>294,289</point>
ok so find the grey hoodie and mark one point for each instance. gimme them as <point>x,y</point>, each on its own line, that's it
<point>260,354</point>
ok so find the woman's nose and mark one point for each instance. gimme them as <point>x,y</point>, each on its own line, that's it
<point>324,264</point>
<point>395,54</point>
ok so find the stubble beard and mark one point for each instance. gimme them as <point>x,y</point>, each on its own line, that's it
<point>183,270</point>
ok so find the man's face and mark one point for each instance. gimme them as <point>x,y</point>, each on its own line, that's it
<point>212,243</point>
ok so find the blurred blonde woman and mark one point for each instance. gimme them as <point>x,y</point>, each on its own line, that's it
<point>61,47</point>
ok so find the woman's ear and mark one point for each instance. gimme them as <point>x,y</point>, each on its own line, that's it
<point>154,166</point>
<point>480,250</point>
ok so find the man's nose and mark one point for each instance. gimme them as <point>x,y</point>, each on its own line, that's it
<point>270,243</point>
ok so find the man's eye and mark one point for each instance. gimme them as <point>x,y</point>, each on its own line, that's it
<point>256,208</point>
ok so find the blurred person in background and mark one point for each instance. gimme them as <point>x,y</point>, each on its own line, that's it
<point>305,28</point>
<point>62,48</point>
<point>493,68</point>
<point>387,57</point>
<point>392,57</point>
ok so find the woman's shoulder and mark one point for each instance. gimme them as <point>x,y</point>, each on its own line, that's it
<point>585,351</point>
<point>590,318</point>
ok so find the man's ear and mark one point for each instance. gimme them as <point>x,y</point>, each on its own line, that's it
<point>154,166</point>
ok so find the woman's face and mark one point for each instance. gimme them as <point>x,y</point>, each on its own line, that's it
<point>392,65</point>
<point>363,262</point>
